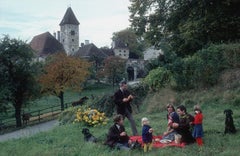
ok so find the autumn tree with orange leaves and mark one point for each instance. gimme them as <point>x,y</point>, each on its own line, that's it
<point>62,72</point>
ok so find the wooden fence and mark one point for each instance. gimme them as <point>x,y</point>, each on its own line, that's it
<point>34,117</point>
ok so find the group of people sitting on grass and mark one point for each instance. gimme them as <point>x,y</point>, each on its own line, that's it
<point>181,125</point>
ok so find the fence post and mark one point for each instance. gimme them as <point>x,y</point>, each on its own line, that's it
<point>39,116</point>
<point>52,111</point>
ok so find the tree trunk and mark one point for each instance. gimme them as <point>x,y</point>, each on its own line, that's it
<point>113,83</point>
<point>62,100</point>
<point>18,115</point>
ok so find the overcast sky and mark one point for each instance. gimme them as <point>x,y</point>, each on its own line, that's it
<point>23,19</point>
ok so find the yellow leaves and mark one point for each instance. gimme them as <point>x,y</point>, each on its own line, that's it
<point>91,117</point>
<point>62,71</point>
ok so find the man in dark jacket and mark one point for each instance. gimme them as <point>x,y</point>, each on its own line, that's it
<point>122,99</point>
<point>117,137</point>
<point>184,125</point>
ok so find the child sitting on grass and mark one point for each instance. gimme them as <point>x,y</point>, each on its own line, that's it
<point>146,135</point>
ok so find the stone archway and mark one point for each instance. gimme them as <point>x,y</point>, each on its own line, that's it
<point>130,71</point>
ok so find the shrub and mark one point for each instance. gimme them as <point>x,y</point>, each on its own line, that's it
<point>68,115</point>
<point>158,78</point>
<point>103,103</point>
<point>204,67</point>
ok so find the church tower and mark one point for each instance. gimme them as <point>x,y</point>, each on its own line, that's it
<point>69,32</point>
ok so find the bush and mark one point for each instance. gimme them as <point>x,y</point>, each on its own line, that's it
<point>68,115</point>
<point>205,66</point>
<point>158,78</point>
<point>103,103</point>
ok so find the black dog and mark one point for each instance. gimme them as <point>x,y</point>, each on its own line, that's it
<point>136,145</point>
<point>229,125</point>
<point>88,136</point>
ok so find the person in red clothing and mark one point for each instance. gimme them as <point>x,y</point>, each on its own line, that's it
<point>198,128</point>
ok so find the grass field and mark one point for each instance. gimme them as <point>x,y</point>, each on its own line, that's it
<point>68,139</point>
<point>51,104</point>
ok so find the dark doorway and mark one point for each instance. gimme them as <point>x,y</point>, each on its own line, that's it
<point>130,72</point>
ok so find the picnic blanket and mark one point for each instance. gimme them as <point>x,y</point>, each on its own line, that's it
<point>156,142</point>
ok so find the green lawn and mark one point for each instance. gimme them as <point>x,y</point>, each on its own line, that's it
<point>45,103</point>
<point>68,139</point>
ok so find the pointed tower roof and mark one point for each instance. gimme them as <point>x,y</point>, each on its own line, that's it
<point>69,18</point>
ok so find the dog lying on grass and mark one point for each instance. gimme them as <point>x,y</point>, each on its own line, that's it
<point>88,136</point>
<point>229,124</point>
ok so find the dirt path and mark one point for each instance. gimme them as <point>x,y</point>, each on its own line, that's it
<point>29,131</point>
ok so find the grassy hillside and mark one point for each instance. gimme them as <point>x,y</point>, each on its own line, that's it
<point>68,139</point>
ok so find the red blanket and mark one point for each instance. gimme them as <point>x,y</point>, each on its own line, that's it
<point>156,142</point>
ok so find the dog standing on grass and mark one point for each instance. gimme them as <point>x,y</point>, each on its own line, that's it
<point>229,124</point>
<point>88,136</point>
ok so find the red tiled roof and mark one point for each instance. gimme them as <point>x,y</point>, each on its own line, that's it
<point>45,44</point>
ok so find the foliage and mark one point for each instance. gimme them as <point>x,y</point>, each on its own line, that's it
<point>63,72</point>
<point>114,69</point>
<point>18,74</point>
<point>200,70</point>
<point>68,139</point>
<point>134,43</point>
<point>67,116</point>
<point>187,26</point>
<point>90,117</point>
<point>103,103</point>
<point>158,78</point>
<point>139,92</point>
<point>204,67</point>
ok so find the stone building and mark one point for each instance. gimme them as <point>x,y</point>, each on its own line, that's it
<point>69,32</point>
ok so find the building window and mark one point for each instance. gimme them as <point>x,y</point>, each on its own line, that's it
<point>73,40</point>
<point>72,33</point>
<point>63,40</point>
<point>72,49</point>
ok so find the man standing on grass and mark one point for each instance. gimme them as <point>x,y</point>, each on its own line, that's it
<point>122,99</point>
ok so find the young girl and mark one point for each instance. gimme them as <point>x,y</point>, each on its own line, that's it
<point>198,128</point>
<point>146,135</point>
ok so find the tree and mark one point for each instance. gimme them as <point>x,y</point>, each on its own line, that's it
<point>62,72</point>
<point>186,26</point>
<point>134,43</point>
<point>114,69</point>
<point>18,75</point>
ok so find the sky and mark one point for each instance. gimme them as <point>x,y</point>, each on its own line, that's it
<point>99,19</point>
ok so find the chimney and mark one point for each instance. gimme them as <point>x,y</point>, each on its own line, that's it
<point>54,34</point>
<point>58,36</point>
<point>86,42</point>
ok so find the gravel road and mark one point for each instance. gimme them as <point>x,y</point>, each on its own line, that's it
<point>29,131</point>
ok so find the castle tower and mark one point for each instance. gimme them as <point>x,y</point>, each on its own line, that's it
<point>69,35</point>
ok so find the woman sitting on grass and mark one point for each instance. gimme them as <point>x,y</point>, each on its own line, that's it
<point>172,117</point>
